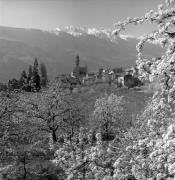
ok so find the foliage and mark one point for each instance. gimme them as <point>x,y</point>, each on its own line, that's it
<point>23,78</point>
<point>81,159</point>
<point>3,87</point>
<point>35,77</point>
<point>30,72</point>
<point>108,115</point>
<point>43,73</point>
<point>13,84</point>
<point>31,82</point>
<point>55,113</point>
<point>24,138</point>
<point>151,155</point>
<point>22,146</point>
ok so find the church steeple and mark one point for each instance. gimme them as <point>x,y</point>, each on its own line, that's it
<point>79,71</point>
<point>77,61</point>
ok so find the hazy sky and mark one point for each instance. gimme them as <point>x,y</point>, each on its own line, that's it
<point>49,14</point>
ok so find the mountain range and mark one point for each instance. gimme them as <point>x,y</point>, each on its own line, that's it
<point>59,48</point>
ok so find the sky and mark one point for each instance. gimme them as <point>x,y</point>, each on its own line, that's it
<point>51,14</point>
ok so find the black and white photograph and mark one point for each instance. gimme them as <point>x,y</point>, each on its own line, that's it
<point>87,89</point>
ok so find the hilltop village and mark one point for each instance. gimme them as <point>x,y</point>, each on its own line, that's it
<point>80,76</point>
<point>36,78</point>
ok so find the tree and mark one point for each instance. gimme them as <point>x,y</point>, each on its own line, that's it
<point>82,160</point>
<point>30,72</point>
<point>150,154</point>
<point>73,116</point>
<point>108,115</point>
<point>23,78</point>
<point>56,114</point>
<point>24,150</point>
<point>35,66</point>
<point>35,76</point>
<point>13,84</point>
<point>14,137</point>
<point>3,87</point>
<point>43,72</point>
<point>72,157</point>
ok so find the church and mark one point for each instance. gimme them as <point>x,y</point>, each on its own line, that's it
<point>79,71</point>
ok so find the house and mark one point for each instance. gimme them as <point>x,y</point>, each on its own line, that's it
<point>132,71</point>
<point>89,79</point>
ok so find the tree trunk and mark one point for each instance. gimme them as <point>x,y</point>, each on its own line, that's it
<point>54,136</point>
<point>106,131</point>
<point>24,167</point>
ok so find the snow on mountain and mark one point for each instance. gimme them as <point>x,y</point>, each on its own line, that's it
<point>99,33</point>
<point>128,36</point>
<point>83,31</point>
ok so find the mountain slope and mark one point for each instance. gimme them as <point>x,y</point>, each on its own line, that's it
<point>57,49</point>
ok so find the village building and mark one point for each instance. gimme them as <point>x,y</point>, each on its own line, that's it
<point>99,74</point>
<point>89,79</point>
<point>132,71</point>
